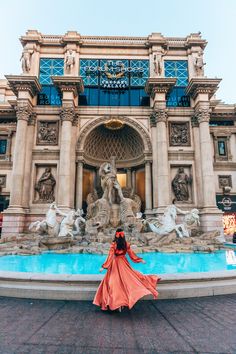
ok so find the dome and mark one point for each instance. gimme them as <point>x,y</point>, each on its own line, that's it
<point>125,144</point>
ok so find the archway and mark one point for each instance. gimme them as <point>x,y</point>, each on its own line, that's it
<point>106,138</point>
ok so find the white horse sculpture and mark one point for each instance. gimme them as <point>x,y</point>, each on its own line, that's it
<point>167,223</point>
<point>49,225</point>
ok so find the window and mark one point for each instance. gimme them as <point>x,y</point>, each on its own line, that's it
<point>3,146</point>
<point>114,82</point>
<point>222,148</point>
<point>49,67</point>
<point>178,69</point>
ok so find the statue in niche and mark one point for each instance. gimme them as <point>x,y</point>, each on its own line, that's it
<point>26,60</point>
<point>199,64</point>
<point>180,185</point>
<point>112,209</point>
<point>47,133</point>
<point>70,60</point>
<point>157,62</point>
<point>45,187</point>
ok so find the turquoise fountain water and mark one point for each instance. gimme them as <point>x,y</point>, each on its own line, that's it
<point>156,263</point>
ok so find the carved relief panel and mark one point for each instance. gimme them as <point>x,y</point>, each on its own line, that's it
<point>179,134</point>
<point>45,183</point>
<point>225,181</point>
<point>47,133</point>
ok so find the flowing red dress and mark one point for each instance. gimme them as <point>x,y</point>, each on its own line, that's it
<point>122,285</point>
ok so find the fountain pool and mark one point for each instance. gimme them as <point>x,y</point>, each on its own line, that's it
<point>156,263</point>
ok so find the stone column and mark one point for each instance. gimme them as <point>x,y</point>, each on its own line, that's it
<point>162,178</point>
<point>129,178</point>
<point>158,88</point>
<point>64,177</point>
<point>148,187</point>
<point>153,123</point>
<point>28,161</point>
<point>79,185</point>
<point>25,88</point>
<point>23,112</point>
<point>197,159</point>
<point>70,87</point>
<point>206,157</point>
<point>134,180</point>
<point>201,90</point>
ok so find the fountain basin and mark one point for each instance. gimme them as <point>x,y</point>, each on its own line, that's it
<point>39,285</point>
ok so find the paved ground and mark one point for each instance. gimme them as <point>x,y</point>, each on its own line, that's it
<point>199,325</point>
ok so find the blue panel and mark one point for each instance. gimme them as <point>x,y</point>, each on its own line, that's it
<point>115,80</point>
<point>49,67</point>
<point>178,69</point>
<point>178,98</point>
<point>3,146</point>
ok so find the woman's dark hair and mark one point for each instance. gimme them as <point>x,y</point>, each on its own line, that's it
<point>120,241</point>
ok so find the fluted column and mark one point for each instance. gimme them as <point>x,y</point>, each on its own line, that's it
<point>202,113</point>
<point>148,186</point>
<point>162,177</point>
<point>64,177</point>
<point>28,160</point>
<point>79,185</point>
<point>23,112</point>
<point>197,159</point>
<point>129,178</point>
<point>134,180</point>
<point>153,126</point>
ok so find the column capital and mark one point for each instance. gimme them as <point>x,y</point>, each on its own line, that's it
<point>158,115</point>
<point>159,85</point>
<point>202,85</point>
<point>202,114</point>
<point>72,84</point>
<point>23,83</point>
<point>23,110</point>
<point>68,113</point>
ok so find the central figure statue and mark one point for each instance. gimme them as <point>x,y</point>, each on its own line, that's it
<point>112,209</point>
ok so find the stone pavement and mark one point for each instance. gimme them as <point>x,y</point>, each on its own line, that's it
<point>197,325</point>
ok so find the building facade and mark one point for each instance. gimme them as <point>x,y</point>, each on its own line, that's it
<point>142,102</point>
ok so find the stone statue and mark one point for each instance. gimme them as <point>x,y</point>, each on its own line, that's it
<point>199,64</point>
<point>49,225</point>
<point>45,186</point>
<point>107,172</point>
<point>67,223</point>
<point>167,223</point>
<point>70,59</point>
<point>112,209</point>
<point>180,184</point>
<point>158,62</point>
<point>79,225</point>
<point>26,60</point>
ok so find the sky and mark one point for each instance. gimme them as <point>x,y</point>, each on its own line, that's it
<point>216,19</point>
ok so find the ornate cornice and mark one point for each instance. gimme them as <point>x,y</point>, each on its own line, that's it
<point>159,85</point>
<point>27,83</point>
<point>202,85</point>
<point>69,84</point>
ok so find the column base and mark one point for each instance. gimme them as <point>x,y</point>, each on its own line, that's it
<point>211,219</point>
<point>13,221</point>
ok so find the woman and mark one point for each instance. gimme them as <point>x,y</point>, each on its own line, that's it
<point>122,285</point>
